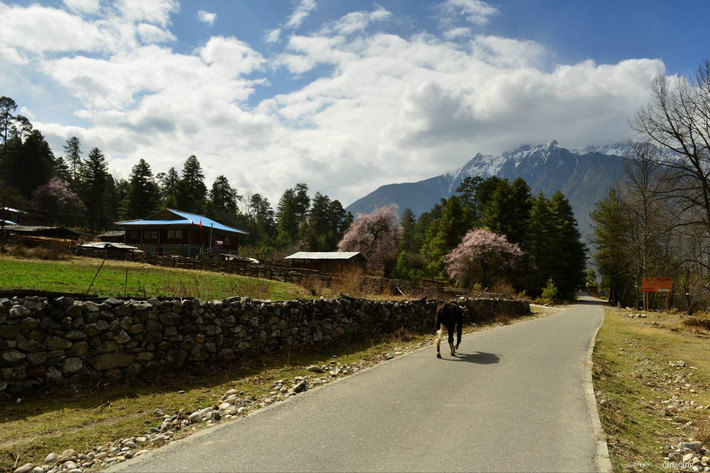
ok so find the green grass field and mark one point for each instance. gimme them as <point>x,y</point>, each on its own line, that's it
<point>124,279</point>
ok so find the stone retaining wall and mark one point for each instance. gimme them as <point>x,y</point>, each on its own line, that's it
<point>55,340</point>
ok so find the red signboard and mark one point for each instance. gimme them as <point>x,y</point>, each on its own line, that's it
<point>656,284</point>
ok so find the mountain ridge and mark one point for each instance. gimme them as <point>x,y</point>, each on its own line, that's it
<point>584,176</point>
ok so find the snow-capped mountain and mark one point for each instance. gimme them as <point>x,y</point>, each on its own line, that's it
<point>584,176</point>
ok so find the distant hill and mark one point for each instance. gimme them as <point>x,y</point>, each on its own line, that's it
<point>585,177</point>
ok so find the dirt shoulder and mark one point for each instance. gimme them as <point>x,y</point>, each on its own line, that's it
<point>651,377</point>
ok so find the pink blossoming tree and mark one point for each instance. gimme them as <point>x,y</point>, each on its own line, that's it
<point>482,257</point>
<point>374,235</point>
<point>56,199</point>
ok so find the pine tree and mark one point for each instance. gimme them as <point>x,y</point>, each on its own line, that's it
<point>450,229</point>
<point>261,222</point>
<point>539,243</point>
<point>95,181</point>
<point>7,107</point>
<point>34,164</point>
<point>570,266</point>
<point>222,202</point>
<point>169,187</point>
<point>409,228</point>
<point>507,210</point>
<point>291,214</point>
<point>143,196</point>
<point>612,253</point>
<point>191,189</point>
<point>73,150</point>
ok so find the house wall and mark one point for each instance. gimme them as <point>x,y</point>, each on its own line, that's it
<point>158,238</point>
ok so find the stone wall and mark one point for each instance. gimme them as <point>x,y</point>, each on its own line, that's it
<point>45,341</point>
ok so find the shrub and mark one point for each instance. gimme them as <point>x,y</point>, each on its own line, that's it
<point>550,291</point>
<point>701,322</point>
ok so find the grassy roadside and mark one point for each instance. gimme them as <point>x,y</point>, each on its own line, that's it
<point>119,279</point>
<point>92,416</point>
<point>651,377</point>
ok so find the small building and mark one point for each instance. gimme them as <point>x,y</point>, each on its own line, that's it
<point>176,232</point>
<point>104,248</point>
<point>42,231</point>
<point>327,261</point>
<point>113,236</point>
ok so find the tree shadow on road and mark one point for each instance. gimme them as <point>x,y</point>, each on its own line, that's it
<point>480,358</point>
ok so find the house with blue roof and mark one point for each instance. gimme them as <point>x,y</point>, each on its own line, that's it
<point>174,232</point>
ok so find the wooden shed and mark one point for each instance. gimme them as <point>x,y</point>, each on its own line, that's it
<point>327,261</point>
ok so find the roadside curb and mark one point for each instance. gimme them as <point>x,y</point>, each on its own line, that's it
<point>602,458</point>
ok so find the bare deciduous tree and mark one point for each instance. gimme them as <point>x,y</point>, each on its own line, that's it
<point>678,119</point>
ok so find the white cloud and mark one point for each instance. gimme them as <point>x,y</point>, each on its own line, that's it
<point>90,7</point>
<point>457,33</point>
<point>355,22</point>
<point>206,17</point>
<point>151,34</point>
<point>273,36</point>
<point>61,31</point>
<point>476,12</point>
<point>389,108</point>
<point>302,11</point>
<point>149,11</point>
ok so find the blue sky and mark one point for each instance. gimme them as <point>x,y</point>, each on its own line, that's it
<point>345,95</point>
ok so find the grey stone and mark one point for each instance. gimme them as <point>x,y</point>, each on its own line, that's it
<point>18,312</point>
<point>11,357</point>
<point>9,331</point>
<point>111,361</point>
<point>50,458</point>
<point>49,324</point>
<point>36,358</point>
<point>75,335</point>
<point>91,306</point>
<point>27,323</point>
<point>53,376</point>
<point>144,356</point>
<point>153,326</point>
<point>26,468</point>
<point>72,365</point>
<point>79,349</point>
<point>122,337</point>
<point>109,346</point>
<point>74,310</point>
<point>56,343</point>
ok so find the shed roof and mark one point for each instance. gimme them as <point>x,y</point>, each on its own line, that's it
<point>112,233</point>
<point>41,230</point>
<point>104,245</point>
<point>324,255</point>
<point>14,211</point>
<point>178,217</point>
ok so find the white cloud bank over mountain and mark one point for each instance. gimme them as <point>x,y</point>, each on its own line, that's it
<point>377,107</point>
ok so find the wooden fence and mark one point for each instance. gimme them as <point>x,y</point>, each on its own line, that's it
<point>304,277</point>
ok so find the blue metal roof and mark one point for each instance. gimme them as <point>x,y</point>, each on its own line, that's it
<point>182,218</point>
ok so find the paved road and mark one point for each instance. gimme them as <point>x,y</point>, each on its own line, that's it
<point>513,401</point>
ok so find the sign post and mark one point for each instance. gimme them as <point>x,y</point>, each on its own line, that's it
<point>663,285</point>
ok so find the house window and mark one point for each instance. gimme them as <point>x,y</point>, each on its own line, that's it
<point>226,241</point>
<point>135,235</point>
<point>150,234</point>
<point>174,234</point>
